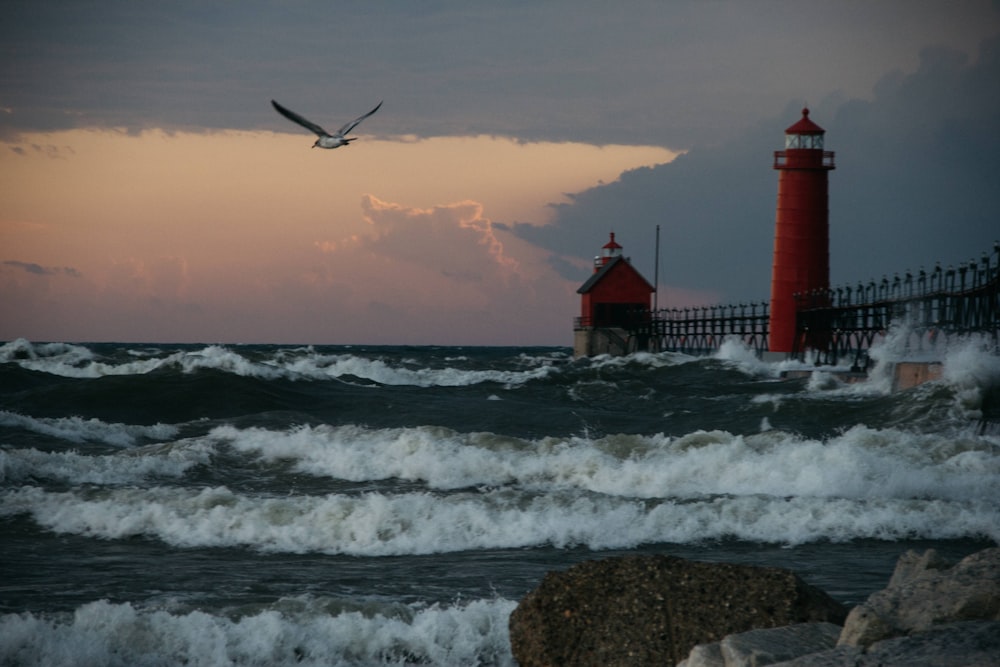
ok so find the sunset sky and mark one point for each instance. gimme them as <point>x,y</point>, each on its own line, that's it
<point>149,192</point>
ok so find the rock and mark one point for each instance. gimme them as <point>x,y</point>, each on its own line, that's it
<point>925,592</point>
<point>842,656</point>
<point>756,648</point>
<point>973,643</point>
<point>912,564</point>
<point>967,644</point>
<point>864,626</point>
<point>764,647</point>
<point>652,610</point>
<point>705,655</point>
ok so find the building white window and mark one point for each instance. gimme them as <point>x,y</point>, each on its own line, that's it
<point>804,141</point>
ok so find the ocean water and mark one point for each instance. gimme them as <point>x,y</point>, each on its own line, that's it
<point>268,505</point>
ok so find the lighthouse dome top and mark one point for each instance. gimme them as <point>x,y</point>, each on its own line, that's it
<point>805,126</point>
<point>612,245</point>
<point>804,133</point>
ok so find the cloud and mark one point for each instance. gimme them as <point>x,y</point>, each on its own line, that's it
<point>915,183</point>
<point>161,278</point>
<point>455,238</point>
<point>442,274</point>
<point>54,152</point>
<point>667,74</point>
<point>250,236</point>
<point>47,150</point>
<point>39,270</point>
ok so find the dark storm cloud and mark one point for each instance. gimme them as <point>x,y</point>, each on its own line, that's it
<point>39,270</point>
<point>916,182</point>
<point>642,72</point>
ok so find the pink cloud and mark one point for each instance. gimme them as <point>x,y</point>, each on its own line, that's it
<point>456,238</point>
<point>445,271</point>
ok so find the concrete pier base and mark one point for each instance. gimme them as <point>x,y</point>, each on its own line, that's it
<point>905,374</point>
<point>909,374</point>
<point>592,341</point>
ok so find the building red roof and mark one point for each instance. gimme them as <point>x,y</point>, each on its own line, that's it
<point>805,126</point>
<point>610,267</point>
<point>612,244</point>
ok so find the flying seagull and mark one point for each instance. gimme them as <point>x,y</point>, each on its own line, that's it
<point>325,140</point>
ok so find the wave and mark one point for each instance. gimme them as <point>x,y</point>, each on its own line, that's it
<point>77,361</point>
<point>18,466</point>
<point>79,430</point>
<point>299,631</point>
<point>379,524</point>
<point>859,463</point>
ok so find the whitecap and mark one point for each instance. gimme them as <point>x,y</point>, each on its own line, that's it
<point>376,524</point>
<point>119,634</point>
<point>137,466</point>
<point>78,429</point>
<point>859,463</point>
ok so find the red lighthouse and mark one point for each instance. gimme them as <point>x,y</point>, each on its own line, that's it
<point>802,226</point>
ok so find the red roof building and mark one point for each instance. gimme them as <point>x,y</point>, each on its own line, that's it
<point>615,296</point>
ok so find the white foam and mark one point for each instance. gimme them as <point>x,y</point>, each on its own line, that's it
<point>319,366</point>
<point>21,350</point>
<point>652,360</point>
<point>137,466</point>
<point>739,355</point>
<point>376,524</point>
<point>859,463</point>
<point>490,491</point>
<point>78,429</point>
<point>66,360</point>
<point>972,361</point>
<point>112,635</point>
<point>293,364</point>
<point>971,368</point>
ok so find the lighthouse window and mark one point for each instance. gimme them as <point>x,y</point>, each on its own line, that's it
<point>803,141</point>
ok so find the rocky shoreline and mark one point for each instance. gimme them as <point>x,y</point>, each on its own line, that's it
<point>661,610</point>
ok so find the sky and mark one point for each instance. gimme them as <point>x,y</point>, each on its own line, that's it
<point>150,193</point>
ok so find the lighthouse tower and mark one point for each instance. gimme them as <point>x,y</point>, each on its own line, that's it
<point>802,227</point>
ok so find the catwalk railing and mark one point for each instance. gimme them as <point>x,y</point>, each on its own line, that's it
<point>926,308</point>
<point>702,329</point>
<point>840,325</point>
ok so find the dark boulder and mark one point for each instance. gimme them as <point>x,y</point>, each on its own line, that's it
<point>652,610</point>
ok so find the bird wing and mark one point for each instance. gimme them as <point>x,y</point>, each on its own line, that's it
<point>295,118</point>
<point>350,126</point>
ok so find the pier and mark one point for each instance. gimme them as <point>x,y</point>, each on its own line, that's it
<point>838,326</point>
<point>928,308</point>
